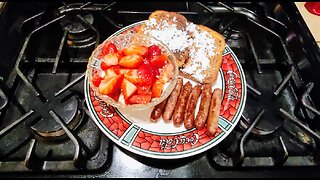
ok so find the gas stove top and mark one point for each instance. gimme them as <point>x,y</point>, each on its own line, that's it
<point>46,129</point>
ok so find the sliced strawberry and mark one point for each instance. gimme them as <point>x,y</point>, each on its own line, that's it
<point>115,96</point>
<point>154,70</point>
<point>116,69</point>
<point>109,48</point>
<point>136,49</point>
<point>144,89</point>
<point>110,60</point>
<point>110,73</point>
<point>139,99</point>
<point>159,61</point>
<point>153,51</point>
<point>146,61</point>
<point>157,88</point>
<point>100,55</point>
<point>146,76</point>
<point>166,73</point>
<point>104,66</point>
<point>131,61</point>
<point>127,89</point>
<point>124,70</point>
<point>110,85</point>
<point>132,76</point>
<point>120,54</point>
<point>96,80</point>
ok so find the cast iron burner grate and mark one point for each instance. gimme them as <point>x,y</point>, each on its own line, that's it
<point>46,126</point>
<point>270,104</point>
<point>277,127</point>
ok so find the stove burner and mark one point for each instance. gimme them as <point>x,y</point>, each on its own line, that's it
<point>232,28</point>
<point>75,25</point>
<point>68,111</point>
<point>268,124</point>
<point>80,31</point>
<point>257,131</point>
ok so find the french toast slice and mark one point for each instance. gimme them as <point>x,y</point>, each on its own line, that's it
<point>198,49</point>
<point>170,28</point>
<point>205,54</point>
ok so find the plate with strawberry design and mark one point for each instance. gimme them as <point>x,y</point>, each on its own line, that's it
<point>162,140</point>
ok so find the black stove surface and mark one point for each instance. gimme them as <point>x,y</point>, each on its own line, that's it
<point>45,127</point>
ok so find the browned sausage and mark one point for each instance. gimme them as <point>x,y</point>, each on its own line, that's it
<point>157,111</point>
<point>172,100</point>
<point>202,115</point>
<point>191,106</point>
<point>181,105</point>
<point>212,121</point>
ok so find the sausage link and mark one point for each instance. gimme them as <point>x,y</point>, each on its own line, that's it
<point>172,100</point>
<point>191,106</point>
<point>180,108</point>
<point>212,122</point>
<point>202,115</point>
<point>157,111</point>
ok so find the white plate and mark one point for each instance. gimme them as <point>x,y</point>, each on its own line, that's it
<point>162,140</point>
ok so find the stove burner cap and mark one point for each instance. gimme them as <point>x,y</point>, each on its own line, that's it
<point>75,25</point>
<point>80,34</point>
<point>68,111</point>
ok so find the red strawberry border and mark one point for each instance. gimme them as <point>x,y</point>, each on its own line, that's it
<point>108,116</point>
<point>173,143</point>
<point>233,92</point>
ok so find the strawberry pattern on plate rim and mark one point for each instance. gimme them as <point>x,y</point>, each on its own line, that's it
<point>185,143</point>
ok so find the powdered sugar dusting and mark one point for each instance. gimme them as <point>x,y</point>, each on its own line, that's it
<point>175,39</point>
<point>199,43</point>
<point>201,49</point>
<point>151,22</point>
